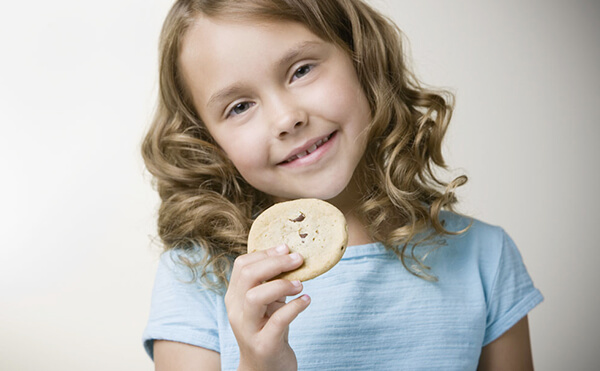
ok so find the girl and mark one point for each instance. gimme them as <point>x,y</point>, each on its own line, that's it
<point>269,100</point>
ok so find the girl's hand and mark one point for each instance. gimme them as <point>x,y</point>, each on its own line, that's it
<point>257,311</point>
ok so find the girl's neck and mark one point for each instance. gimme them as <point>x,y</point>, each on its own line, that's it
<point>357,233</point>
<point>347,202</point>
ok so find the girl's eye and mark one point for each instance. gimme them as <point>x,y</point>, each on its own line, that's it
<point>239,108</point>
<point>301,71</point>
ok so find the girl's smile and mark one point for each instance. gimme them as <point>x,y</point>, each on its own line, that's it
<point>308,153</point>
<point>285,106</point>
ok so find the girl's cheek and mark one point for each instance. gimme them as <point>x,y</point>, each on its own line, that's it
<point>246,157</point>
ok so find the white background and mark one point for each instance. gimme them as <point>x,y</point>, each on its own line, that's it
<point>77,220</point>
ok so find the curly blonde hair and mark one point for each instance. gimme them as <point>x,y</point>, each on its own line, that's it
<point>207,204</point>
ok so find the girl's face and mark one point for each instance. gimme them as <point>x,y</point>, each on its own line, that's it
<point>286,106</point>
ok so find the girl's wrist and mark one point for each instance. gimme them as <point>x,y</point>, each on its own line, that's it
<point>245,366</point>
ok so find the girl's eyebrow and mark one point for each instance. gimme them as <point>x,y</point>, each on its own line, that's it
<point>286,59</point>
<point>223,94</point>
<point>295,51</point>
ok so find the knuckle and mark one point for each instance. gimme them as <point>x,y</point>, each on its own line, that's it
<point>239,262</point>
<point>229,303</point>
<point>252,297</point>
<point>245,274</point>
<point>232,317</point>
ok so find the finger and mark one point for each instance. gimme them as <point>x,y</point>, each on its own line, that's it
<point>280,302</point>
<point>271,308</point>
<point>277,325</point>
<point>253,257</point>
<point>260,297</point>
<point>254,274</point>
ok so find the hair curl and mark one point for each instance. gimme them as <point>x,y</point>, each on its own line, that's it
<point>207,204</point>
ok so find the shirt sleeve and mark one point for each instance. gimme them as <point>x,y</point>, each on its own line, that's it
<point>512,294</point>
<point>181,310</point>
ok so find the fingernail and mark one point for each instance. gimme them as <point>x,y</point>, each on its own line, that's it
<point>296,283</point>
<point>305,298</point>
<point>281,249</point>
<point>295,256</point>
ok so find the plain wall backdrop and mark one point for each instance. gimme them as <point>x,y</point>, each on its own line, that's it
<point>78,84</point>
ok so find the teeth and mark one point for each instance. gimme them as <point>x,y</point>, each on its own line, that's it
<point>310,150</point>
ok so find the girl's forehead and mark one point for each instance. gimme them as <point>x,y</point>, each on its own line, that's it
<point>234,21</point>
<point>211,34</point>
<point>217,53</point>
<point>246,21</point>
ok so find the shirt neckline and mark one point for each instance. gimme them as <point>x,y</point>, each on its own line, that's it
<point>369,249</point>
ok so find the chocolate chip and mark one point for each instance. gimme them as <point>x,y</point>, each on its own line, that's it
<point>303,235</point>
<point>300,218</point>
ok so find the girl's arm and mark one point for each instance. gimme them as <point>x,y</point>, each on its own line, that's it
<point>258,314</point>
<point>511,351</point>
<point>173,356</point>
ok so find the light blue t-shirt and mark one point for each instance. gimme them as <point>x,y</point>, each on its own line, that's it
<point>368,312</point>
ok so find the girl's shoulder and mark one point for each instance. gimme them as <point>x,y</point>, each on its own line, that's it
<point>178,261</point>
<point>189,266</point>
<point>465,228</point>
<point>486,244</point>
<point>177,289</point>
<point>485,249</point>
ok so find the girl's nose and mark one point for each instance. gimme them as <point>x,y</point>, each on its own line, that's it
<point>290,129</point>
<point>288,117</point>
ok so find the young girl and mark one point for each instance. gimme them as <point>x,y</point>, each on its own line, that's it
<point>269,100</point>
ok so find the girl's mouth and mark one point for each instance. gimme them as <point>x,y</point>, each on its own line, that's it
<point>309,150</point>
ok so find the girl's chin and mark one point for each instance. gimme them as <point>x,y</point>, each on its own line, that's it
<point>333,195</point>
<point>320,196</point>
<point>336,189</point>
